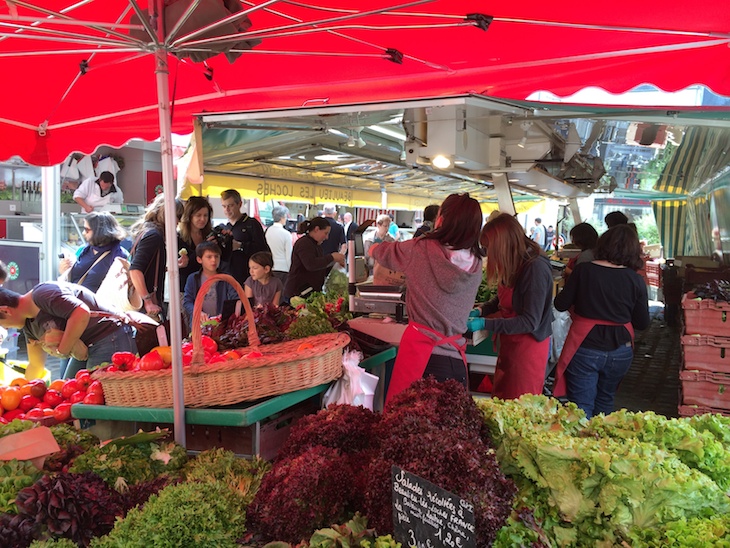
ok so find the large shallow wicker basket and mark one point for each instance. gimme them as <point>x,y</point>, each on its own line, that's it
<point>282,368</point>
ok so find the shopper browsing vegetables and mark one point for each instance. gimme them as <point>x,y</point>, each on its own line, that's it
<point>57,318</point>
<point>309,264</point>
<point>516,264</point>
<point>608,300</point>
<point>443,269</point>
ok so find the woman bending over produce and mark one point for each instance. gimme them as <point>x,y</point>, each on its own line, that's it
<point>443,269</point>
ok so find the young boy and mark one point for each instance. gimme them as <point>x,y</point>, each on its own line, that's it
<point>208,255</point>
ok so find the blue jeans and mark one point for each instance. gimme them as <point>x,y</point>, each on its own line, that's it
<point>593,376</point>
<point>122,340</point>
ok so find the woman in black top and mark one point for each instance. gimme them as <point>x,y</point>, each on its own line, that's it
<point>608,301</point>
<point>309,264</point>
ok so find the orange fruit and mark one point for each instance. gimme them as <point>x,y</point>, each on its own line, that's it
<point>11,399</point>
<point>56,385</point>
<point>165,353</point>
<point>25,389</point>
<point>20,381</point>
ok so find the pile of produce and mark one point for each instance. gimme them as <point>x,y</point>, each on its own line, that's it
<point>135,491</point>
<point>339,461</point>
<point>716,290</point>
<point>48,402</point>
<point>626,478</point>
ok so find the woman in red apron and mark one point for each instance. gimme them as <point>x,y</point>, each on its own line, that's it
<point>521,313</point>
<point>608,300</point>
<point>443,270</point>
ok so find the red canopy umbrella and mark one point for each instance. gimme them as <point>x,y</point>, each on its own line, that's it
<point>78,73</point>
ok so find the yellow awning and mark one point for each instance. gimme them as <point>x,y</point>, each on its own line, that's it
<point>265,189</point>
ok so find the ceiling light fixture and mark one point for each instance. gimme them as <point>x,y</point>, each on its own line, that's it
<point>441,162</point>
<point>525,125</point>
<point>351,141</point>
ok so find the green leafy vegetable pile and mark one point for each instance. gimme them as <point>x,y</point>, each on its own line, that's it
<point>185,514</point>
<point>591,483</point>
<point>14,476</point>
<point>122,464</point>
<point>317,314</point>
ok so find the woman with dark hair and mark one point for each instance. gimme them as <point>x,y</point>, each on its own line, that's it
<point>104,236</point>
<point>193,229</point>
<point>522,307</point>
<point>608,300</point>
<point>584,236</point>
<point>309,264</point>
<point>443,270</point>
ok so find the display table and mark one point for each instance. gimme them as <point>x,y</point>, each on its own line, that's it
<point>249,428</point>
<point>480,359</point>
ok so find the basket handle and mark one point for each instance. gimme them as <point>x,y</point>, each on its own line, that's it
<point>253,337</point>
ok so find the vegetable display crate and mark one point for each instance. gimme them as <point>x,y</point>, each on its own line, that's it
<point>706,353</point>
<point>705,316</point>
<point>692,410</point>
<point>278,368</point>
<point>705,388</point>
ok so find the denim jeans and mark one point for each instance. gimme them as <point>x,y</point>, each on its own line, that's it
<point>593,376</point>
<point>122,340</point>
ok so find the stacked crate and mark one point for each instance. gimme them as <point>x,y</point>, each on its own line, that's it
<point>705,374</point>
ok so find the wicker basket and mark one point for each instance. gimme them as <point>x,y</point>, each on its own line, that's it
<point>283,367</point>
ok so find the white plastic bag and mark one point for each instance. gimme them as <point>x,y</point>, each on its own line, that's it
<point>561,326</point>
<point>355,387</point>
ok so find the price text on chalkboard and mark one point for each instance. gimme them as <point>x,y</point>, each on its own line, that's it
<point>426,516</point>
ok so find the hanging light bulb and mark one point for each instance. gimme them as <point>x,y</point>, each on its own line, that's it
<point>526,125</point>
<point>522,142</point>
<point>351,141</point>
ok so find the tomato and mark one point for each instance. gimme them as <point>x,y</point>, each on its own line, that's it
<point>47,411</point>
<point>25,389</point>
<point>165,353</point>
<point>94,399</point>
<point>231,355</point>
<point>216,357</point>
<point>20,381</point>
<point>34,414</point>
<point>69,387</point>
<point>28,402</point>
<point>253,354</point>
<point>56,385</point>
<point>124,360</point>
<point>187,359</point>
<point>187,347</point>
<point>77,397</point>
<point>62,413</point>
<point>53,397</point>
<point>95,388</point>
<point>38,388</point>
<point>10,399</point>
<point>111,369</point>
<point>44,405</point>
<point>3,420</point>
<point>304,346</point>
<point>209,345</point>
<point>14,414</point>
<point>84,379</point>
<point>151,361</point>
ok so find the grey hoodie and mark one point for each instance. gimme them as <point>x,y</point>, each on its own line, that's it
<point>439,294</point>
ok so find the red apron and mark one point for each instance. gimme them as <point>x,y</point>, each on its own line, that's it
<point>414,351</point>
<point>579,330</point>
<point>522,360</point>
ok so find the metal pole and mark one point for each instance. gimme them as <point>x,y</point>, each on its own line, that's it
<point>51,220</point>
<point>170,191</point>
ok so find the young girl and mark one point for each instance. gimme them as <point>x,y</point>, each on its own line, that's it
<point>262,285</point>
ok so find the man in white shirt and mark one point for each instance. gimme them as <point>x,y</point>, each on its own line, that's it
<point>538,235</point>
<point>93,194</point>
<point>280,242</point>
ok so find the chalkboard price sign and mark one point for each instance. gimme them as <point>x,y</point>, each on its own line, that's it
<point>426,516</point>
